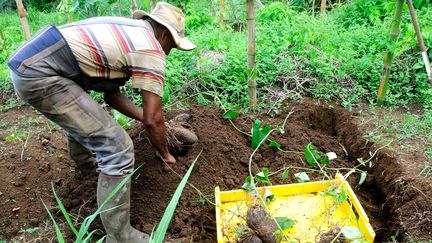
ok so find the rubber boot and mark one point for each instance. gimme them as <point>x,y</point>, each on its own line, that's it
<point>84,159</point>
<point>116,221</point>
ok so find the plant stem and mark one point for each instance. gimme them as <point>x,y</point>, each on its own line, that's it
<point>390,52</point>
<point>24,146</point>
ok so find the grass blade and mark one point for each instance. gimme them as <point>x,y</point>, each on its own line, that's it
<point>63,210</point>
<point>87,221</point>
<point>169,211</point>
<point>57,229</point>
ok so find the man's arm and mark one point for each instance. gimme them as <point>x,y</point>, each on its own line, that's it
<point>121,103</point>
<point>150,115</point>
<point>154,123</point>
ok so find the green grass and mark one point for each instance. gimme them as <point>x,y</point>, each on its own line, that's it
<point>337,58</point>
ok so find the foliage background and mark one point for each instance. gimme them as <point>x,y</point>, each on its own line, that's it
<point>339,57</point>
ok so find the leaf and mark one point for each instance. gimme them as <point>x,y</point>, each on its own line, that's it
<point>363,176</point>
<point>248,186</point>
<point>274,145</point>
<point>325,160</point>
<point>59,235</point>
<point>64,212</point>
<point>10,137</point>
<point>268,195</point>
<point>169,211</point>
<point>20,133</point>
<point>262,176</point>
<point>166,94</point>
<point>302,177</point>
<point>258,133</point>
<point>285,222</point>
<point>121,119</point>
<point>331,155</point>
<point>341,197</point>
<point>230,114</point>
<point>311,154</point>
<point>351,232</point>
<point>285,175</point>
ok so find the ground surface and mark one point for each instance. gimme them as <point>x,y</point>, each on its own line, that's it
<point>395,197</point>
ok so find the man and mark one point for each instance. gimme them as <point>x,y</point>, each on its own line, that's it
<point>54,69</point>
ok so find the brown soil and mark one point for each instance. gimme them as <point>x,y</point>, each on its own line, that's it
<point>396,199</point>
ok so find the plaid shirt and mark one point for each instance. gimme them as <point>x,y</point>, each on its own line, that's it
<point>115,47</point>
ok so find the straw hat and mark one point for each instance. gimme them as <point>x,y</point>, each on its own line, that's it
<point>173,19</point>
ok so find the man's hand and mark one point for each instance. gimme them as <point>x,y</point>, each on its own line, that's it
<point>154,123</point>
<point>169,159</point>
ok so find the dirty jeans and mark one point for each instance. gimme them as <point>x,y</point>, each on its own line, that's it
<point>48,81</point>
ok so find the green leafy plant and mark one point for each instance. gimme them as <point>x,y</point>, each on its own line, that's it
<point>301,177</point>
<point>261,177</point>
<point>353,234</point>
<point>159,234</point>
<point>231,113</point>
<point>274,145</point>
<point>121,119</point>
<point>258,133</point>
<point>22,138</point>
<point>10,103</point>
<point>314,156</point>
<point>82,234</point>
<point>337,194</point>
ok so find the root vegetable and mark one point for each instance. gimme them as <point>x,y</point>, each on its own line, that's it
<point>255,216</point>
<point>265,231</point>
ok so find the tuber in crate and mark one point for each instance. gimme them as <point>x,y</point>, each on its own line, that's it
<point>316,208</point>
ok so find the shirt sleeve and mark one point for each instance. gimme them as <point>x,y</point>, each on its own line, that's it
<point>147,69</point>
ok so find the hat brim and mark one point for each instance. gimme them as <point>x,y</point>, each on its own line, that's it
<point>182,43</point>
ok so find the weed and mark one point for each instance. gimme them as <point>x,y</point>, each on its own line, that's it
<point>121,119</point>
<point>10,104</point>
<point>22,138</point>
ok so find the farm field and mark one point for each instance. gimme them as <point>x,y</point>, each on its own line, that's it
<point>317,77</point>
<point>394,196</point>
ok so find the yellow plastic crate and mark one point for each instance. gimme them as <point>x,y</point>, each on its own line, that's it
<point>313,211</point>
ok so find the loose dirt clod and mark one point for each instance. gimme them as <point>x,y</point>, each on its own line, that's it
<point>395,199</point>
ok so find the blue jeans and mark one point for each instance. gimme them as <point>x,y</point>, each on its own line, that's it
<point>48,81</point>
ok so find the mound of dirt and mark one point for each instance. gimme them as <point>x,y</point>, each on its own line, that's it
<point>397,203</point>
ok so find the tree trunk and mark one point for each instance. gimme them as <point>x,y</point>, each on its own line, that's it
<point>390,52</point>
<point>134,6</point>
<point>23,16</point>
<point>323,8</point>
<point>420,39</point>
<point>251,54</point>
<point>221,12</point>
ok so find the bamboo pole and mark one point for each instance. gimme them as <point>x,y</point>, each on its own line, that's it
<point>390,52</point>
<point>420,39</point>
<point>119,7</point>
<point>65,9</point>
<point>152,5</point>
<point>23,16</point>
<point>313,7</point>
<point>213,8</point>
<point>221,12</point>
<point>134,6</point>
<point>251,54</point>
<point>323,8</point>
